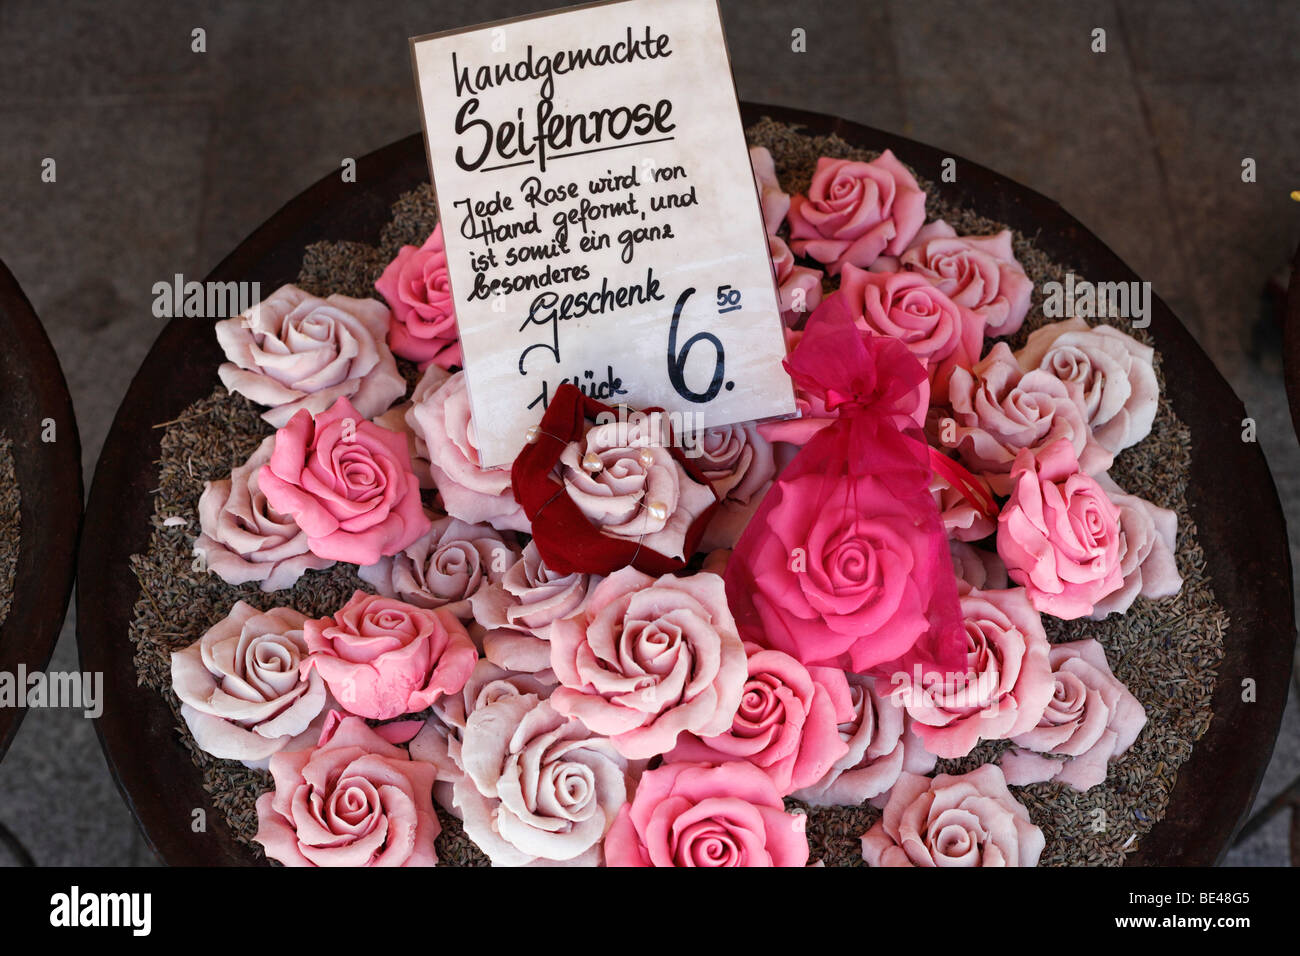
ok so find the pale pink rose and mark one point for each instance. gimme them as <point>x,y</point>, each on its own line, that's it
<point>417,289</point>
<point>999,410</point>
<point>787,724</point>
<point>961,519</point>
<point>692,815</point>
<point>740,465</point>
<point>1004,689</point>
<point>1091,720</point>
<point>244,539</point>
<point>773,200</point>
<point>979,273</point>
<point>799,288</point>
<point>649,659</point>
<point>519,608</point>
<point>347,483</point>
<point>539,787</point>
<point>382,658</point>
<point>471,493</point>
<point>396,420</point>
<point>240,689</point>
<point>625,480</point>
<point>1148,537</point>
<point>881,745</point>
<point>1059,534</point>
<point>439,740</point>
<point>445,567</point>
<point>977,568</point>
<point>1110,373</point>
<point>856,211</point>
<point>294,351</point>
<point>354,800</point>
<point>961,821</point>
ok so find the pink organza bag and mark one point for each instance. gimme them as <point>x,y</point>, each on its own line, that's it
<point>846,563</point>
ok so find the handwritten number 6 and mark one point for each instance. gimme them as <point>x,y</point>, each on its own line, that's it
<point>677,360</point>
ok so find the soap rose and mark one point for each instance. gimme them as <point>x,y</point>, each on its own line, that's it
<point>1058,534</point>
<point>471,493</point>
<point>881,745</point>
<point>904,306</point>
<point>1091,720</point>
<point>626,481</point>
<point>416,287</point>
<point>445,567</point>
<point>979,273</point>
<point>354,800</point>
<point>691,815</point>
<point>977,568</point>
<point>1111,374</point>
<point>649,659</point>
<point>347,483</point>
<point>382,658</point>
<point>953,820</point>
<point>519,608</point>
<point>799,288</point>
<point>239,685</point>
<point>538,787</point>
<point>856,211</point>
<point>1000,410</point>
<point>396,420</point>
<point>1006,685</point>
<point>787,724</point>
<point>244,539</point>
<point>1147,541</point>
<point>293,351</point>
<point>962,520</point>
<point>773,200</point>
<point>740,465</point>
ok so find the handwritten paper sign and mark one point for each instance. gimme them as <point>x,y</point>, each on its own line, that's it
<point>600,217</point>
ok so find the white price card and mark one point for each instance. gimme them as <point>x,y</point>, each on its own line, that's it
<point>600,217</point>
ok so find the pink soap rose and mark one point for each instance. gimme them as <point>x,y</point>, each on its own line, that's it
<point>787,724</point>
<point>979,273</point>
<point>382,658</point>
<point>692,815</point>
<point>882,744</point>
<point>539,787</point>
<point>416,287</point>
<point>293,351</point>
<point>347,483</point>
<point>439,740</point>
<point>397,420</point>
<point>649,659</point>
<point>244,539</point>
<point>1110,373</point>
<point>1004,689</point>
<point>519,608</point>
<point>961,518</point>
<point>773,200</point>
<point>977,568</point>
<point>240,689</point>
<point>445,567</point>
<point>856,211</point>
<point>740,465</point>
<point>904,306</point>
<point>1059,534</point>
<point>625,480</point>
<point>354,800</point>
<point>1148,537</point>
<point>998,410</point>
<point>1091,720</point>
<point>471,493</point>
<point>799,288</point>
<point>966,820</point>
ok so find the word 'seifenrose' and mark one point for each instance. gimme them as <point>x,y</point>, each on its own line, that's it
<point>416,287</point>
<point>347,483</point>
<point>693,815</point>
<point>649,659</point>
<point>382,658</point>
<point>967,820</point>
<point>293,351</point>
<point>354,800</point>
